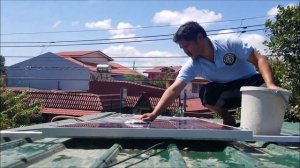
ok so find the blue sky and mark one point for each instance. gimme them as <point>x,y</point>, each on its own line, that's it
<point>107,19</point>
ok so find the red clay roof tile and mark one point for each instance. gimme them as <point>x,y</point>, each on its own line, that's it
<point>133,89</point>
<point>70,112</point>
<point>82,54</point>
<point>195,105</point>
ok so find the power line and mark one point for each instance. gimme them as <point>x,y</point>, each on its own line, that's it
<point>141,27</point>
<point>29,67</point>
<point>122,42</point>
<point>66,79</point>
<point>124,38</point>
<point>170,56</point>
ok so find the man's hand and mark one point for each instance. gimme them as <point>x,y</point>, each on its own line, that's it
<point>274,87</point>
<point>148,117</point>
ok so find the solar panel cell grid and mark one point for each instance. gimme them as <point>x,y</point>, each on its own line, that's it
<point>164,123</point>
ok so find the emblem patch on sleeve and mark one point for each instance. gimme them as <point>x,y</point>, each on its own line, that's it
<point>229,58</point>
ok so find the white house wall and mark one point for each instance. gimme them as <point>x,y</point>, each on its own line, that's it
<point>189,93</point>
<point>48,71</point>
<point>93,58</point>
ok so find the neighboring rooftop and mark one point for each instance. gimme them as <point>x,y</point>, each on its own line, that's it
<point>76,104</point>
<point>163,69</point>
<point>133,89</point>
<point>118,69</point>
<point>76,54</point>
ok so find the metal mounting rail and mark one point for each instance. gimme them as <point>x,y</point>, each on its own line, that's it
<point>264,138</point>
<point>277,138</point>
<point>21,134</point>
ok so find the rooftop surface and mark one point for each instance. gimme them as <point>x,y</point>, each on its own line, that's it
<point>105,152</point>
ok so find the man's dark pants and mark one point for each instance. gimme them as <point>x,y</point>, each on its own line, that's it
<point>227,95</point>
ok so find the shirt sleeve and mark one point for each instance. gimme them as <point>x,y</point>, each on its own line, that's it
<point>241,49</point>
<point>186,74</point>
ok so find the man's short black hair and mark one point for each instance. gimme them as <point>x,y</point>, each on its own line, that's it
<point>189,32</point>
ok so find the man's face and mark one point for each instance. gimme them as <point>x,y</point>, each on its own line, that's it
<point>191,48</point>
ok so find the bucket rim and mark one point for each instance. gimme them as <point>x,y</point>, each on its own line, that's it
<point>259,88</point>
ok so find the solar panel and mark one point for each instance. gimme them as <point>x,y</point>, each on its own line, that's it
<point>125,126</point>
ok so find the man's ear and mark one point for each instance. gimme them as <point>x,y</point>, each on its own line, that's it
<point>199,36</point>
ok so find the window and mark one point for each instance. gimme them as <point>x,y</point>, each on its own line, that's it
<point>195,88</point>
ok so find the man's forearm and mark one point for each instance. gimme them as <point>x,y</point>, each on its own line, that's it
<point>168,97</point>
<point>266,71</point>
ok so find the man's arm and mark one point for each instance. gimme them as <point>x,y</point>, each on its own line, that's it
<point>262,63</point>
<point>167,98</point>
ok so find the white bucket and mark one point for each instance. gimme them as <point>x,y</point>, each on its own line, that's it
<point>262,109</point>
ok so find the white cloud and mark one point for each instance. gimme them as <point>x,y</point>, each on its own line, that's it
<point>123,28</point>
<point>123,36</point>
<point>121,51</point>
<point>75,23</point>
<point>56,24</point>
<point>223,34</point>
<point>255,40</point>
<point>273,11</point>
<point>128,52</point>
<point>101,24</point>
<point>188,14</point>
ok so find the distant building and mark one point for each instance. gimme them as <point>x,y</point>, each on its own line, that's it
<point>50,72</point>
<point>161,71</point>
<point>70,70</point>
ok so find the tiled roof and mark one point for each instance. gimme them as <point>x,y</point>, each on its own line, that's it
<point>133,89</point>
<point>68,103</point>
<point>63,100</point>
<point>155,100</point>
<point>71,112</point>
<point>195,105</point>
<point>194,108</point>
<point>90,67</point>
<point>82,54</point>
<point>118,69</point>
<point>75,53</point>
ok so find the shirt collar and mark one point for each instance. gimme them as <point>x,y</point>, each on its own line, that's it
<point>213,44</point>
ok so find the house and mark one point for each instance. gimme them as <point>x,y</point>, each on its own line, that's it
<point>161,71</point>
<point>94,60</point>
<point>97,59</point>
<point>119,72</point>
<point>49,72</point>
<point>192,88</point>
<point>70,70</point>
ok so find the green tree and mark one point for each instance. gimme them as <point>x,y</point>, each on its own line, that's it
<point>16,109</point>
<point>2,68</point>
<point>162,81</point>
<point>134,78</point>
<point>2,71</point>
<point>284,34</point>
